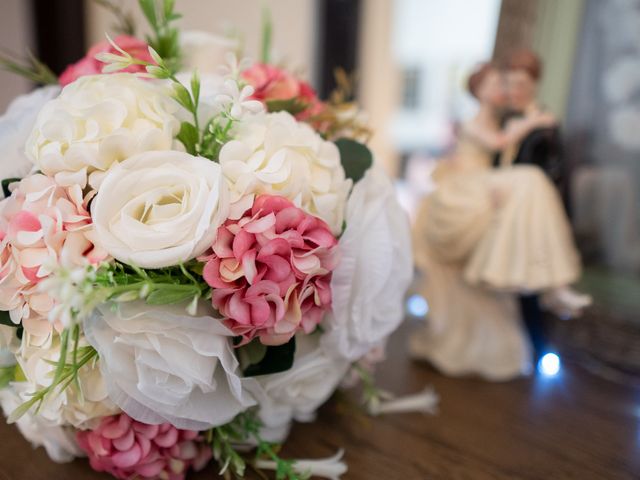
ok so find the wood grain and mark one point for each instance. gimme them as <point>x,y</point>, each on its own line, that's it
<point>574,426</point>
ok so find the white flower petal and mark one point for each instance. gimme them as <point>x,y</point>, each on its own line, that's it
<point>185,370</point>
<point>375,269</point>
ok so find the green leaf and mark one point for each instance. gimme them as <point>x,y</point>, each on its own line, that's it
<point>169,294</point>
<point>168,8</point>
<point>7,375</point>
<point>5,185</point>
<point>148,7</point>
<point>189,137</point>
<point>292,105</point>
<point>252,353</point>
<point>195,87</point>
<point>276,359</point>
<point>5,319</point>
<point>356,158</point>
<point>183,96</point>
<point>267,33</point>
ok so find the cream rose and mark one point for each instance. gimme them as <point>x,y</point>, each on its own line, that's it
<point>275,154</point>
<point>58,441</point>
<point>162,365</point>
<point>158,209</point>
<point>204,51</point>
<point>375,270</point>
<point>101,119</point>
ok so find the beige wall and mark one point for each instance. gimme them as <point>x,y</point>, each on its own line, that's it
<point>15,37</point>
<point>555,39</point>
<point>379,78</point>
<point>293,22</point>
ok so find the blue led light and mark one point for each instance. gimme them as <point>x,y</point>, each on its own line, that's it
<point>417,305</point>
<point>549,365</point>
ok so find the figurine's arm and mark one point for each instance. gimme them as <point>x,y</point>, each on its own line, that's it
<point>515,131</point>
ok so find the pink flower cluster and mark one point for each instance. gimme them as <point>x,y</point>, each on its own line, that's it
<point>41,225</point>
<point>89,65</point>
<point>271,271</point>
<point>273,83</point>
<point>128,449</point>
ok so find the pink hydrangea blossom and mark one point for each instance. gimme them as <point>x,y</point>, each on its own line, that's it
<point>41,225</point>
<point>89,65</point>
<point>127,449</point>
<point>270,271</point>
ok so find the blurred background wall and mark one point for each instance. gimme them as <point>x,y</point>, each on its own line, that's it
<point>294,25</point>
<point>16,34</point>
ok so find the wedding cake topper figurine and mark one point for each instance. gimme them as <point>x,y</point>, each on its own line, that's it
<point>486,235</point>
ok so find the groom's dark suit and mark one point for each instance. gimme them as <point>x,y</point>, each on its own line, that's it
<point>541,147</point>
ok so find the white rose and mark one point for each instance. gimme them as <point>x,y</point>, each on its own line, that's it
<point>15,126</point>
<point>162,365</point>
<point>101,119</point>
<point>203,51</point>
<point>375,270</point>
<point>58,441</point>
<point>80,409</point>
<point>158,209</point>
<point>300,391</point>
<point>275,154</point>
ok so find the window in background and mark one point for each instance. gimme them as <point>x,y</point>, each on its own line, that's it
<point>411,88</point>
<point>442,39</point>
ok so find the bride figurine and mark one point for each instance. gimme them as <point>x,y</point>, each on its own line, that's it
<point>483,237</point>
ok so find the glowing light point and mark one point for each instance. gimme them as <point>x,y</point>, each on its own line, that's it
<point>417,305</point>
<point>549,365</point>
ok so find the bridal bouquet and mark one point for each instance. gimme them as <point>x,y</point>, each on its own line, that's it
<point>189,260</point>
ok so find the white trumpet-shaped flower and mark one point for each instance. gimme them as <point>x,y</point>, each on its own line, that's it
<point>236,99</point>
<point>331,467</point>
<point>425,401</point>
<point>232,68</point>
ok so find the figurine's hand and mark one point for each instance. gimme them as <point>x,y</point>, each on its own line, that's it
<point>545,119</point>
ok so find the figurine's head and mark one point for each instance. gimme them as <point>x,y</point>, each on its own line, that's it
<point>524,70</point>
<point>486,84</point>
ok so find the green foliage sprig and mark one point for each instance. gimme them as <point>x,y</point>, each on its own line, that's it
<point>243,430</point>
<point>161,14</point>
<point>66,372</point>
<point>30,68</point>
<point>267,35</point>
<point>118,282</point>
<point>7,375</point>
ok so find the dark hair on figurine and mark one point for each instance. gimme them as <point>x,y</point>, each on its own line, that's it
<point>478,75</point>
<point>526,60</point>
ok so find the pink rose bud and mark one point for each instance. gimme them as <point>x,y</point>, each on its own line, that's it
<point>89,65</point>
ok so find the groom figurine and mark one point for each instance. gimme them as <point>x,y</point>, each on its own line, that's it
<point>541,147</point>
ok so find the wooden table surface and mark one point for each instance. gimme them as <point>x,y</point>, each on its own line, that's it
<point>574,426</point>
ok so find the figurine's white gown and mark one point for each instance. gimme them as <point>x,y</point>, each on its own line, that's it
<point>480,237</point>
